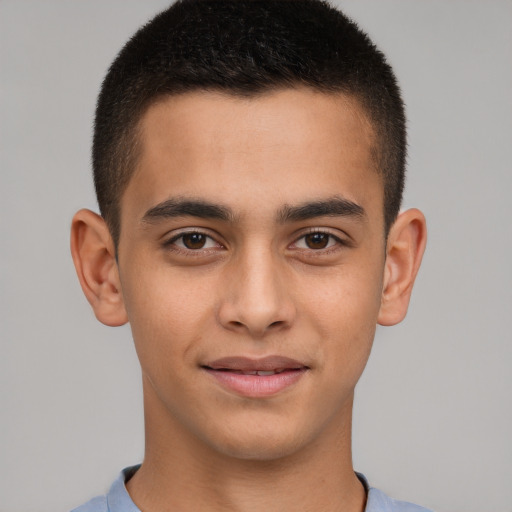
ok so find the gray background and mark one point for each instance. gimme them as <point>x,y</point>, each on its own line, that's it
<point>433,414</point>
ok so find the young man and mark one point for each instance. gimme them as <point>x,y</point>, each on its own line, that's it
<point>249,164</point>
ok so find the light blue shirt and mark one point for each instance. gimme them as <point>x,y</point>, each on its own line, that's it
<point>118,499</point>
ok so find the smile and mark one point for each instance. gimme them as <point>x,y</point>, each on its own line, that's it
<point>256,378</point>
<point>262,373</point>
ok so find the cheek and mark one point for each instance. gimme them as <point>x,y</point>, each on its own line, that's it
<point>168,312</point>
<point>344,310</point>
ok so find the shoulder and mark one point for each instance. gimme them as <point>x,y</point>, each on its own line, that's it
<point>380,502</point>
<point>377,501</point>
<point>98,504</point>
<point>116,500</point>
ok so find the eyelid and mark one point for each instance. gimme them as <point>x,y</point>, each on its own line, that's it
<point>177,234</point>
<point>341,241</point>
<point>344,240</point>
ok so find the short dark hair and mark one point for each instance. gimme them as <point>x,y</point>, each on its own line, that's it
<point>243,48</point>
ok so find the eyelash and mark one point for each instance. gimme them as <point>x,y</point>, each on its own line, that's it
<point>327,250</point>
<point>171,243</point>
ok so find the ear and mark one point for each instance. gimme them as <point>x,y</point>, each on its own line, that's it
<point>94,256</point>
<point>405,247</point>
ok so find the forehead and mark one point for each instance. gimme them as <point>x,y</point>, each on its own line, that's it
<point>286,146</point>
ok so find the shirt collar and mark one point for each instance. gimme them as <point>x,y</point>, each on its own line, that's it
<point>119,500</point>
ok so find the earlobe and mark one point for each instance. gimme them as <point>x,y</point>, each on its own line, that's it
<point>405,247</point>
<point>93,254</point>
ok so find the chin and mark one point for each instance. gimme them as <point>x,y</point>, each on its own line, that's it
<point>262,450</point>
<point>253,444</point>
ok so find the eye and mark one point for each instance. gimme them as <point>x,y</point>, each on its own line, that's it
<point>193,241</point>
<point>317,241</point>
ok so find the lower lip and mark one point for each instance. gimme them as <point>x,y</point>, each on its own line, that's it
<point>257,386</point>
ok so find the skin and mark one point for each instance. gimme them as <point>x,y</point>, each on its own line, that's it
<point>261,285</point>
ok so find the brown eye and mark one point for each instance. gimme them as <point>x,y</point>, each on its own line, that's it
<point>317,240</point>
<point>194,240</point>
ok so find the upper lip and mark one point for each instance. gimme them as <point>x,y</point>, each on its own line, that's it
<point>249,364</point>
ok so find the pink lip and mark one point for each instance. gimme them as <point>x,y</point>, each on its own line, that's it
<point>227,372</point>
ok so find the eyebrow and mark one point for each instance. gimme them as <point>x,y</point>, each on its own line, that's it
<point>334,207</point>
<point>188,207</point>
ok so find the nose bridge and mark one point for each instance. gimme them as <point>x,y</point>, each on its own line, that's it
<point>254,298</point>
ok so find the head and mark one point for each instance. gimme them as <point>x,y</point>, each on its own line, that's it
<point>249,160</point>
<point>244,48</point>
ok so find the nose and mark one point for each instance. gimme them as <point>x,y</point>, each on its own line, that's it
<point>256,298</point>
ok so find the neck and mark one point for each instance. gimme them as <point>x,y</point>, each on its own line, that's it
<point>181,472</point>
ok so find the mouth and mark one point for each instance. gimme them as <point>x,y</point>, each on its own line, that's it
<point>256,378</point>
<point>261,373</point>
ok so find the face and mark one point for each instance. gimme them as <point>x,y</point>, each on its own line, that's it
<point>251,263</point>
